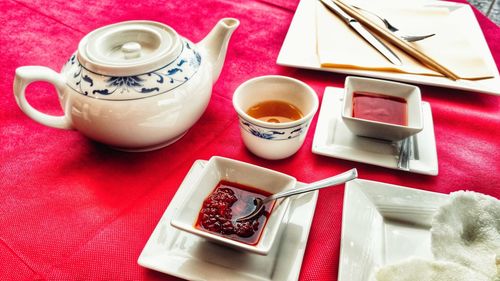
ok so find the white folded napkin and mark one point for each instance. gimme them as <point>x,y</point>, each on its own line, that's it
<point>465,239</point>
<point>417,269</point>
<point>467,231</point>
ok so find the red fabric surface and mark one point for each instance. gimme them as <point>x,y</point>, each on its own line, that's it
<point>73,209</point>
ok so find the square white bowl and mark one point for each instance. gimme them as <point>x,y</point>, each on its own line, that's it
<point>384,224</point>
<point>218,169</point>
<point>381,130</point>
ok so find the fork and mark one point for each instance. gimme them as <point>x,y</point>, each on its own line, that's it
<point>396,31</point>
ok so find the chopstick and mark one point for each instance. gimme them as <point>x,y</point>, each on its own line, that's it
<point>401,44</point>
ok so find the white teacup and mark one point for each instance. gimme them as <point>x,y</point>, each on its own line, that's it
<point>274,140</point>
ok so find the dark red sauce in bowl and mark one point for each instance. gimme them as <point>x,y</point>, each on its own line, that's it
<point>227,202</point>
<point>380,108</point>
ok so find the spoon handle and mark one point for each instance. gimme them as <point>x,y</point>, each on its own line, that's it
<point>331,181</point>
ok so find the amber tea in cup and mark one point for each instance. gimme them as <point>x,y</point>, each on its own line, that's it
<point>275,111</point>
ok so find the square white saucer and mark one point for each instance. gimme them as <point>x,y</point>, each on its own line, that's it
<point>333,138</point>
<point>188,256</point>
<point>384,224</point>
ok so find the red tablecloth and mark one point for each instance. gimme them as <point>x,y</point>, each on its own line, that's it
<point>73,209</point>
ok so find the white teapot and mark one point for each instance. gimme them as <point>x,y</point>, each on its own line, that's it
<point>134,85</point>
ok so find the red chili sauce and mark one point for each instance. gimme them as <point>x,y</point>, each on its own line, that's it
<point>379,107</point>
<point>227,202</point>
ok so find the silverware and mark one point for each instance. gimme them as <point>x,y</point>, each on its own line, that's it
<point>405,153</point>
<point>328,182</point>
<point>395,30</point>
<point>361,30</point>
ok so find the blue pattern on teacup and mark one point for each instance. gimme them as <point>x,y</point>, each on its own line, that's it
<point>162,80</point>
<point>273,133</point>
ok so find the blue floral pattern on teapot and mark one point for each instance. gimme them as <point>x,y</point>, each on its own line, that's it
<point>160,81</point>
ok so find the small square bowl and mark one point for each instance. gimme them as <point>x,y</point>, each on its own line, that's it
<point>218,169</point>
<point>381,130</point>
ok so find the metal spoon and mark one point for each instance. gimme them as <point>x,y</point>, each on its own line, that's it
<point>396,31</point>
<point>331,181</point>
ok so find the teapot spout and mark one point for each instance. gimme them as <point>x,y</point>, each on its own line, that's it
<point>214,45</point>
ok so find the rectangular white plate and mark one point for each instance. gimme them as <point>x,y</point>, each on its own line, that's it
<point>187,256</point>
<point>299,50</point>
<point>333,138</point>
<point>383,224</point>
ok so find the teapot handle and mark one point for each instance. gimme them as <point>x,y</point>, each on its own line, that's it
<point>26,75</point>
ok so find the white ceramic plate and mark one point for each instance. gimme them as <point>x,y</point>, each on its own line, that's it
<point>383,224</point>
<point>299,50</point>
<point>333,138</point>
<point>187,256</point>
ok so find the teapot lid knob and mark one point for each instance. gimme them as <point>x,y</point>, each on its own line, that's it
<point>131,50</point>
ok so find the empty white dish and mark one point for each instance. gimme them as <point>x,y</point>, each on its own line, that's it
<point>383,224</point>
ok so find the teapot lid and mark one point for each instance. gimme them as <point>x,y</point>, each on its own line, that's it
<point>129,48</point>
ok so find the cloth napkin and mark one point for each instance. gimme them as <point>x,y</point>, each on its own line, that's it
<point>417,269</point>
<point>339,46</point>
<point>465,239</point>
<point>467,231</point>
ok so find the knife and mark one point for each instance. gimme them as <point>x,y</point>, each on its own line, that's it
<point>361,30</point>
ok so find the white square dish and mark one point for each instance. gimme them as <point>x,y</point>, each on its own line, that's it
<point>190,257</point>
<point>384,224</point>
<point>219,169</point>
<point>333,138</point>
<point>368,128</point>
